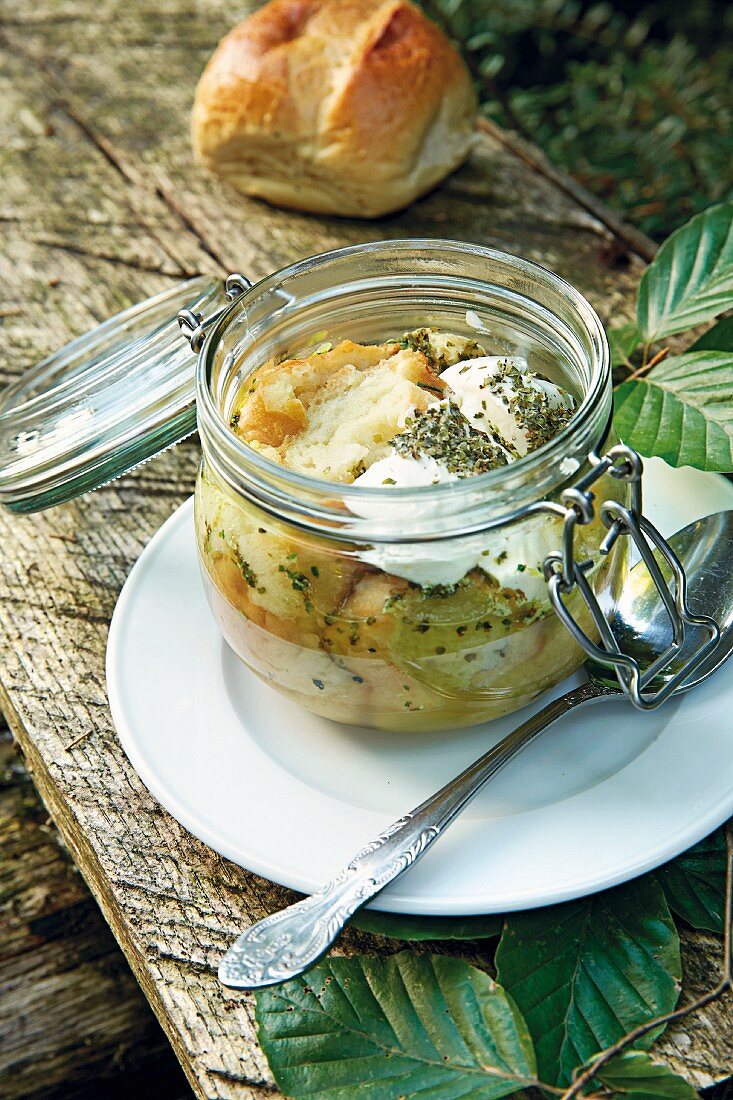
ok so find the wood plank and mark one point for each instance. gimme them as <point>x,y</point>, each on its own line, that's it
<point>130,85</point>
<point>101,205</point>
<point>72,1016</point>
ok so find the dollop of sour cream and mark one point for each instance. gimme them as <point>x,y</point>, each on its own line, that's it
<point>405,471</point>
<point>491,408</point>
<point>503,553</point>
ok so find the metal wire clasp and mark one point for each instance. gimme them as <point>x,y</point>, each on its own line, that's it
<point>194,325</point>
<point>563,574</point>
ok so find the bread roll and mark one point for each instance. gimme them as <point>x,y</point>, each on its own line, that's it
<point>351,107</point>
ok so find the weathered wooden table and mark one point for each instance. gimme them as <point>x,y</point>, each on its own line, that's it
<point>100,206</point>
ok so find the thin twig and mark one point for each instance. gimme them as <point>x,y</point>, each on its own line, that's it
<point>724,986</point>
<point>648,366</point>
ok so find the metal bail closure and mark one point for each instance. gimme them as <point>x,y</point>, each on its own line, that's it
<point>564,574</point>
<point>194,325</point>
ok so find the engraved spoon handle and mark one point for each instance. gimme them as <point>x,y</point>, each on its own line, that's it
<point>286,943</point>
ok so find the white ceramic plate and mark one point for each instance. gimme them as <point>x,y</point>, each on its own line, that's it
<point>605,795</point>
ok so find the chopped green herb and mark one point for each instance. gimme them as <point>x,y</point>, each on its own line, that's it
<point>319,684</point>
<point>314,570</point>
<point>443,433</point>
<point>391,601</point>
<point>534,412</point>
<point>441,591</point>
<point>420,340</point>
<point>246,570</point>
<point>299,581</point>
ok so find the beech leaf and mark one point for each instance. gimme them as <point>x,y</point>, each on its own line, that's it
<point>694,883</point>
<point>690,280</point>
<point>401,927</point>
<point>681,411</point>
<point>623,342</point>
<point>427,1027</point>
<point>586,972</point>
<point>717,338</point>
<point>636,1076</point>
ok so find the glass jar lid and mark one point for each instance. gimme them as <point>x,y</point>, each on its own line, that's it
<point>105,403</point>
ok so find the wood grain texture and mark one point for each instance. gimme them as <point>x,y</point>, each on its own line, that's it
<point>72,1017</point>
<point>101,205</point>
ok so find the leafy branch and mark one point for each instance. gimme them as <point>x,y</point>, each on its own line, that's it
<point>679,406</point>
<point>427,1025</point>
<point>725,985</point>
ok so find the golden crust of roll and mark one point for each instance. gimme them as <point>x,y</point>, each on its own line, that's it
<point>351,107</point>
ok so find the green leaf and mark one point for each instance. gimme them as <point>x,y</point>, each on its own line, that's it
<point>681,411</point>
<point>427,928</point>
<point>690,280</point>
<point>694,883</point>
<point>428,1027</point>
<point>586,972</point>
<point>623,341</point>
<point>635,1075</point>
<point>717,338</point>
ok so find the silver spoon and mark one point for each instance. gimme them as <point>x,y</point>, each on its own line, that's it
<point>286,943</point>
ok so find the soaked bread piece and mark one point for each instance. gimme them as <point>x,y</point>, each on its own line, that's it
<point>333,413</point>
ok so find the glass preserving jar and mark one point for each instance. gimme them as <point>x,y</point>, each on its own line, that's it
<point>397,608</point>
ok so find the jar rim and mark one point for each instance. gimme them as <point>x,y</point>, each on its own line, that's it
<point>218,434</point>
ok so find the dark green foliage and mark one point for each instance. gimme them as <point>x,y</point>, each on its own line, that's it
<point>405,927</point>
<point>680,407</point>
<point>632,98</point>
<point>418,1026</point>
<point>585,973</point>
<point>694,883</point>
<point>635,1076</point>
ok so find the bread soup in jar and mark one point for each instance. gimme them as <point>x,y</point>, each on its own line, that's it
<point>382,427</point>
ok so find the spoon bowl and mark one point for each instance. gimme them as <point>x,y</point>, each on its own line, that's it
<point>641,624</point>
